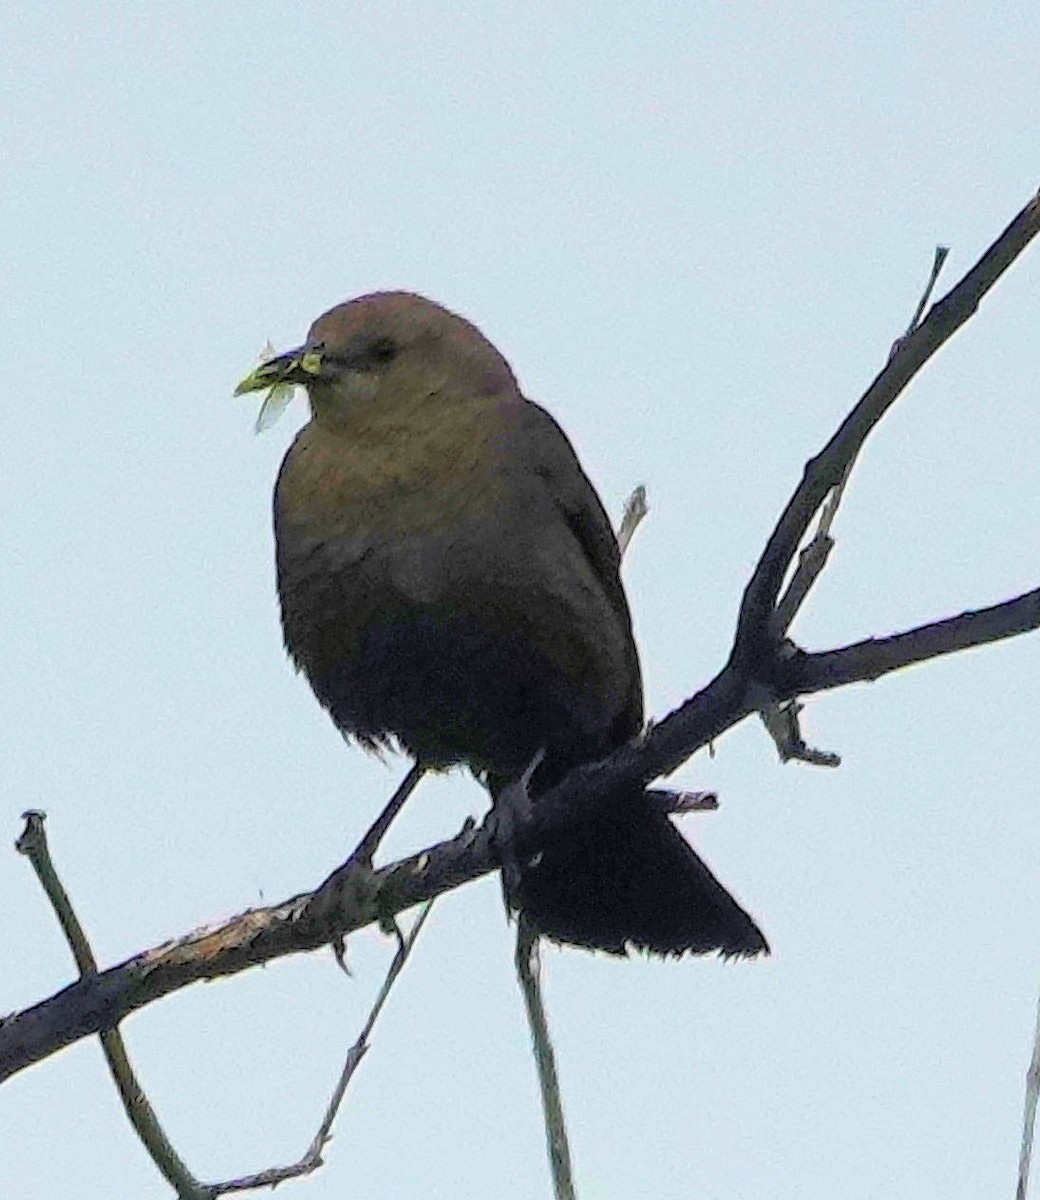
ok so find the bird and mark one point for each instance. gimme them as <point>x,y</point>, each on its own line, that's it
<point>449,584</point>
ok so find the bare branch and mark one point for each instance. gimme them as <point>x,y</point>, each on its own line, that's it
<point>353,899</point>
<point>528,969</point>
<point>682,802</point>
<point>360,897</point>
<point>870,659</point>
<point>311,1159</point>
<point>781,718</point>
<point>364,897</point>
<point>33,844</point>
<point>1025,1156</point>
<point>813,558</point>
<point>826,470</point>
<point>811,561</point>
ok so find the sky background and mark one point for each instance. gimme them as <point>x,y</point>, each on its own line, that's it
<point>694,230</point>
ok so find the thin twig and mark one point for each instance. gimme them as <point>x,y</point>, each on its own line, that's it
<point>781,718</point>
<point>311,1159</point>
<point>827,469</point>
<point>813,558</point>
<point>941,253</point>
<point>811,561</point>
<point>1029,1115</point>
<point>528,969</point>
<point>33,844</point>
<point>636,509</point>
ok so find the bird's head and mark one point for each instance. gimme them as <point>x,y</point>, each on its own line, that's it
<point>385,350</point>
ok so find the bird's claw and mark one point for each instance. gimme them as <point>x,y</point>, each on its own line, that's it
<point>510,814</point>
<point>339,950</point>
<point>352,885</point>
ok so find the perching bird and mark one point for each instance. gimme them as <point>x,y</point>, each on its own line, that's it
<point>449,582</point>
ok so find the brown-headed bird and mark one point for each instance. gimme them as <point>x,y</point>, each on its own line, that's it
<point>449,582</point>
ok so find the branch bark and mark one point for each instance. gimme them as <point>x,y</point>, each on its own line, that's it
<point>870,659</point>
<point>828,468</point>
<point>760,662</point>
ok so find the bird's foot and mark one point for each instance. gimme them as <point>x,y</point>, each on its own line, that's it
<point>351,887</point>
<point>510,814</point>
<point>386,913</point>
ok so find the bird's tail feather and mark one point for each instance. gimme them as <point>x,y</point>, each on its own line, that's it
<point>630,880</point>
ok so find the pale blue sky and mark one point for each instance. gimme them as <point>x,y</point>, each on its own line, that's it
<point>695,231</point>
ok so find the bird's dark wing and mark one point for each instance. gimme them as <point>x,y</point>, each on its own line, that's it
<point>549,454</point>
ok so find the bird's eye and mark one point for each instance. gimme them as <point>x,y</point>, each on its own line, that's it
<point>362,354</point>
<point>383,349</point>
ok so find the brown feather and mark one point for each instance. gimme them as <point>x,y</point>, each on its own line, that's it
<point>449,580</point>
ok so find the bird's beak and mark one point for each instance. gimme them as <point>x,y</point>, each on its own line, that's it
<point>299,366</point>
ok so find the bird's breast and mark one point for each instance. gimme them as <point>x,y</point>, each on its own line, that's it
<point>440,600</point>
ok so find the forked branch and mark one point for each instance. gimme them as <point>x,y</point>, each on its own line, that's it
<point>761,662</point>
